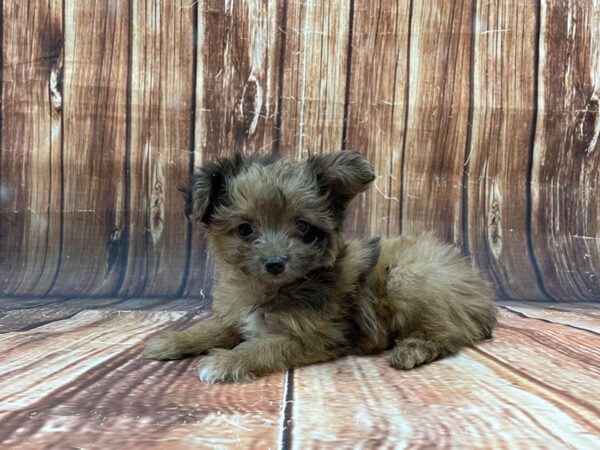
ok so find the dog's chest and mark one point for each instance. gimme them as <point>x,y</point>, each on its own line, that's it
<point>259,323</point>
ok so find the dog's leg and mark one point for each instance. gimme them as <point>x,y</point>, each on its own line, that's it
<point>414,351</point>
<point>255,358</point>
<point>197,339</point>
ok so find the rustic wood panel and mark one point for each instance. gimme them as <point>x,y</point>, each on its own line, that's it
<point>436,129</point>
<point>314,77</point>
<point>161,121</point>
<point>85,385</point>
<point>30,158</point>
<point>426,90</point>
<point>94,148</point>
<point>498,396</point>
<point>377,110</point>
<point>237,75</point>
<point>503,120</point>
<point>565,212</point>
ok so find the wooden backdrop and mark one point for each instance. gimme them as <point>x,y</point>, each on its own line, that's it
<point>481,118</point>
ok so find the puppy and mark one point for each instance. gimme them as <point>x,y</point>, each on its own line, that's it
<point>293,292</point>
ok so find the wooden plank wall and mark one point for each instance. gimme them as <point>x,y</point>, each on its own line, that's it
<point>481,119</point>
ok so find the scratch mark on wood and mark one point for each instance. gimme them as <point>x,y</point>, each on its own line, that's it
<point>591,238</point>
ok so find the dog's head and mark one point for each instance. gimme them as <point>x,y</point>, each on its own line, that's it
<point>277,220</point>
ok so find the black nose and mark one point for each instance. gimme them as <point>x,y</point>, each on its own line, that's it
<point>275,265</point>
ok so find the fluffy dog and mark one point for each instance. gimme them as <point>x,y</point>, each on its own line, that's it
<point>293,292</point>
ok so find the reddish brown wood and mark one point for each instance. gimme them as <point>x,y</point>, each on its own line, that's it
<point>531,385</point>
<point>436,130</point>
<point>94,148</point>
<point>314,77</point>
<point>498,158</point>
<point>239,44</point>
<point>577,315</point>
<point>161,124</point>
<point>30,157</point>
<point>80,381</point>
<point>565,183</point>
<point>83,383</point>
<point>377,110</point>
<point>72,146</point>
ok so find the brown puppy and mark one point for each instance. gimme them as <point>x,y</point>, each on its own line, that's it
<point>292,292</point>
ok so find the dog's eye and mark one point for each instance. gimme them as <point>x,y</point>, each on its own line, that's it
<point>302,226</point>
<point>245,229</point>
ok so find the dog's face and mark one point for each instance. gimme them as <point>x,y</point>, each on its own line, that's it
<point>277,220</point>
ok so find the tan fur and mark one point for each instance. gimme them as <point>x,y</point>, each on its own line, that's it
<point>412,295</point>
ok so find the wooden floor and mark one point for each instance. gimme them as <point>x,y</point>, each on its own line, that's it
<point>71,376</point>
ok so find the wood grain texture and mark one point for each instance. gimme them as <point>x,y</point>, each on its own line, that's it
<point>480,118</point>
<point>79,381</point>
<point>498,396</point>
<point>26,314</point>
<point>28,319</point>
<point>30,157</point>
<point>85,385</point>
<point>94,148</point>
<point>578,315</point>
<point>161,105</point>
<point>314,77</point>
<point>236,96</point>
<point>565,214</point>
<point>377,110</point>
<point>61,348</point>
<point>498,158</point>
<point>436,130</point>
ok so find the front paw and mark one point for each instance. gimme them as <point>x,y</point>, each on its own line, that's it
<point>165,346</point>
<point>223,366</point>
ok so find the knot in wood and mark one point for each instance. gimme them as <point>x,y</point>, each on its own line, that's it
<point>250,106</point>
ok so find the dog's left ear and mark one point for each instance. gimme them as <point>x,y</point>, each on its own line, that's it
<point>344,174</point>
<point>208,186</point>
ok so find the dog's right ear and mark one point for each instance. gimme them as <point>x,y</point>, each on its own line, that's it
<point>208,186</point>
<point>344,174</point>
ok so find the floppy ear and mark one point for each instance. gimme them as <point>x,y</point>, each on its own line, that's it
<point>208,186</point>
<point>344,174</point>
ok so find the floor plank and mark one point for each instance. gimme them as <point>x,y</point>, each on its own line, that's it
<point>81,382</point>
<point>23,315</point>
<point>28,319</point>
<point>580,315</point>
<point>533,386</point>
<point>116,304</point>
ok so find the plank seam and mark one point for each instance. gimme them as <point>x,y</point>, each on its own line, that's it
<point>392,115</point>
<point>528,206</point>
<point>469,139</point>
<point>62,161</point>
<point>191,159</point>
<point>287,419</point>
<point>348,75</point>
<point>127,178</point>
<point>276,149</point>
<point>406,114</point>
<point>525,316</point>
